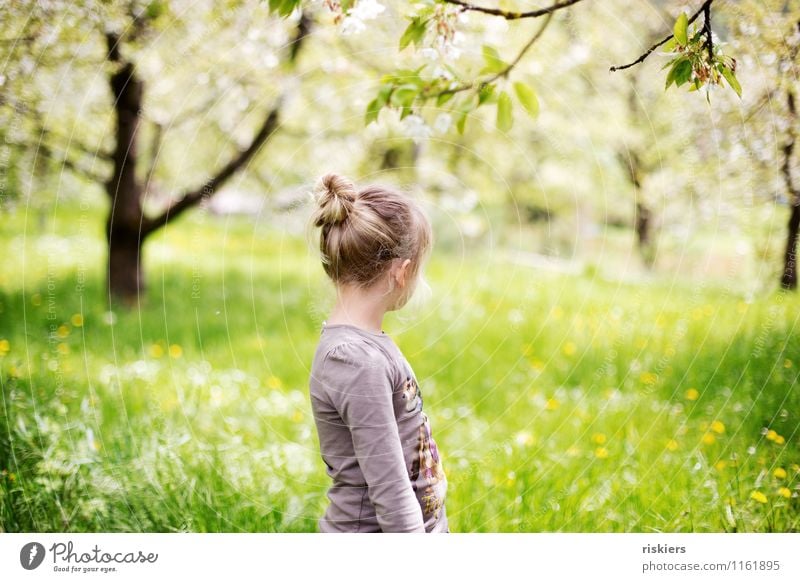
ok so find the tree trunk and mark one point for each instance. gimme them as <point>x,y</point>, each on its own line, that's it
<point>789,278</point>
<point>125,276</point>
<point>643,238</point>
<point>124,225</point>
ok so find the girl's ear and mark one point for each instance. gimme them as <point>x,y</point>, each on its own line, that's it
<point>402,273</point>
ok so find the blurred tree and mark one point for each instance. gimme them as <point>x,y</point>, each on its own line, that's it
<point>55,35</point>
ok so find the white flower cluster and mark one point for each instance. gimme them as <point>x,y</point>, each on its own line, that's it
<point>363,10</point>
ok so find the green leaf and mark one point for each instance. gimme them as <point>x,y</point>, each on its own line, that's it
<point>384,93</point>
<point>283,7</point>
<point>444,98</point>
<point>504,115</point>
<point>494,64</point>
<point>679,30</point>
<point>414,33</point>
<point>731,79</point>
<point>669,46</point>
<point>373,109</point>
<point>404,95</point>
<point>680,72</point>
<point>463,111</point>
<point>485,93</point>
<point>527,97</point>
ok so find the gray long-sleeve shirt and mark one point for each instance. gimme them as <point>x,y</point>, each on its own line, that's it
<point>374,437</point>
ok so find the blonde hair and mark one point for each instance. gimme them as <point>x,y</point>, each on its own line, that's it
<point>362,231</point>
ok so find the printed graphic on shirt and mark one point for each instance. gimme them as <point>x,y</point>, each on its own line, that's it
<point>412,394</point>
<point>428,465</point>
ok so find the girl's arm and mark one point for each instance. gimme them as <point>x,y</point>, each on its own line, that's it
<point>360,388</point>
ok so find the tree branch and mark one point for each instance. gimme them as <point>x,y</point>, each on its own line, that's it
<point>706,6</point>
<point>267,129</point>
<point>507,14</point>
<point>504,72</point>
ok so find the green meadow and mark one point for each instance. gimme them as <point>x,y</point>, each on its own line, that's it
<point>560,402</point>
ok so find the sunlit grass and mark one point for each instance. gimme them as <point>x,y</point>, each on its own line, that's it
<point>560,403</point>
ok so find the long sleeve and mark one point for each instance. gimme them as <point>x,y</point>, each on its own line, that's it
<point>359,386</point>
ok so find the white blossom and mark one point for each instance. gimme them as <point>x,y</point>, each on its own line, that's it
<point>416,128</point>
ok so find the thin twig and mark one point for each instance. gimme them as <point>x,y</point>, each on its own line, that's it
<point>509,15</point>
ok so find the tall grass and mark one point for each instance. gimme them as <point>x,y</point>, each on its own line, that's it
<point>560,403</point>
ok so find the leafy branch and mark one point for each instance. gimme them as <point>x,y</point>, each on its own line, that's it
<point>509,15</point>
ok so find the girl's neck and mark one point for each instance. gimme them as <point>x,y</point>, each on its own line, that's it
<point>360,307</point>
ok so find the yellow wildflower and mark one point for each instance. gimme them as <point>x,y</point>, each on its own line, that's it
<point>601,453</point>
<point>156,351</point>
<point>779,473</point>
<point>787,363</point>
<point>779,440</point>
<point>76,320</point>
<point>569,348</point>
<point>709,439</point>
<point>758,496</point>
<point>5,346</point>
<point>771,435</point>
<point>720,465</point>
<point>672,445</point>
<point>297,416</point>
<point>785,492</point>
<point>63,331</point>
<point>274,382</point>
<point>552,404</point>
<point>175,351</point>
<point>692,394</point>
<point>718,427</point>
<point>599,438</point>
<point>63,349</point>
<point>648,378</point>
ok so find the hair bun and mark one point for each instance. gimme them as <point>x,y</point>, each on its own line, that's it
<point>335,198</point>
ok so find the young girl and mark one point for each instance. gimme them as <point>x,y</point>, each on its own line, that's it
<point>374,437</point>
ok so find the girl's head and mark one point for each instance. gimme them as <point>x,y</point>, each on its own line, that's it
<point>372,238</point>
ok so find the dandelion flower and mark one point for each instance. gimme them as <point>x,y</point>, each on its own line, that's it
<point>648,378</point>
<point>692,394</point>
<point>297,416</point>
<point>672,445</point>
<point>785,492</point>
<point>63,331</point>
<point>175,351</point>
<point>76,320</point>
<point>156,351</point>
<point>552,404</point>
<point>63,349</point>
<point>718,427</point>
<point>274,382</point>
<point>720,465</point>
<point>779,440</point>
<point>5,346</point>
<point>599,438</point>
<point>779,473</point>
<point>709,439</point>
<point>771,435</point>
<point>569,348</point>
<point>601,453</point>
<point>758,496</point>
